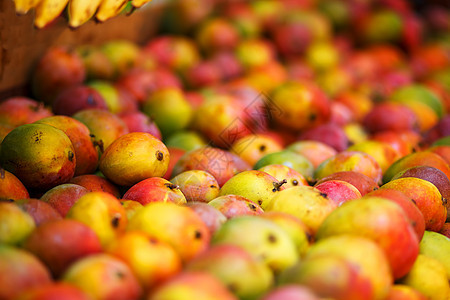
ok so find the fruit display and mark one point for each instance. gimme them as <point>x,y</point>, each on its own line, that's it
<point>265,149</point>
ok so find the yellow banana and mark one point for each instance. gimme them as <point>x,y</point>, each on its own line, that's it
<point>109,9</point>
<point>23,6</point>
<point>47,11</point>
<point>81,11</point>
<point>139,3</point>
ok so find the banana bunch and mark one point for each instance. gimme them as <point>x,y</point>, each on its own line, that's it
<point>78,11</point>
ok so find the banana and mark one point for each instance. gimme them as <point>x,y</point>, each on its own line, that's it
<point>139,3</point>
<point>23,6</point>
<point>81,11</point>
<point>47,11</point>
<point>109,9</point>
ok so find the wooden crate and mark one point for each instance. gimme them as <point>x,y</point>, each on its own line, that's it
<point>21,44</point>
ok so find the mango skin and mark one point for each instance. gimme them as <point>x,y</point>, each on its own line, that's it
<point>383,222</point>
<point>197,185</point>
<point>401,291</point>
<point>280,172</point>
<point>169,109</point>
<point>256,186</point>
<point>15,225</point>
<point>306,203</point>
<point>437,246</point>
<point>427,198</point>
<point>220,163</point>
<point>103,213</point>
<point>330,277</point>
<point>362,253</point>
<point>302,106</point>
<point>11,187</point>
<point>155,189</point>
<point>234,205</point>
<point>134,157</point>
<point>98,276</point>
<point>225,261</point>
<point>428,276</point>
<point>60,243</point>
<point>262,238</point>
<point>293,160</point>
<point>177,225</point>
<point>299,233</point>
<point>189,285</point>
<point>103,124</point>
<point>350,161</point>
<point>150,259</point>
<point>421,158</point>
<point>20,270</point>
<point>40,155</point>
<point>78,133</point>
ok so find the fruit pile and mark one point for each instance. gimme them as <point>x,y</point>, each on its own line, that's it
<point>272,149</point>
<point>77,12</point>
